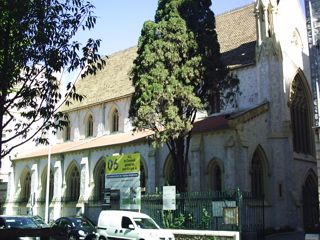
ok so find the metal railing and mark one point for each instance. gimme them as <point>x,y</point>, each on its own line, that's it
<point>228,210</point>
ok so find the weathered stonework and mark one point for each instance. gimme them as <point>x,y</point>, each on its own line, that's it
<point>261,122</point>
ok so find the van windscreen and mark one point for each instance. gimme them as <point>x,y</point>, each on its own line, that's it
<point>145,223</point>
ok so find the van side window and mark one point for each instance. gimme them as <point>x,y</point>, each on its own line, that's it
<point>125,222</point>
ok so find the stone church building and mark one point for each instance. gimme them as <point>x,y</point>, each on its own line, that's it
<point>265,145</point>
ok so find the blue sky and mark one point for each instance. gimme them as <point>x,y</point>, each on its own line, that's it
<point>119,23</point>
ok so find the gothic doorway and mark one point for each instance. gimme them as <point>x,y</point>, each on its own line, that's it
<point>310,203</point>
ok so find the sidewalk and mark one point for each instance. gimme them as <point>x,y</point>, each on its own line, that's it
<point>286,236</point>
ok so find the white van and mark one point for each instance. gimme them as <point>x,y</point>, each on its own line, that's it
<point>117,224</point>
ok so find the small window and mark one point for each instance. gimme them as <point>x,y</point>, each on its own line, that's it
<point>51,186</point>
<point>101,187</point>
<point>26,187</point>
<point>115,121</point>
<point>67,132</point>
<point>90,126</point>
<point>44,184</point>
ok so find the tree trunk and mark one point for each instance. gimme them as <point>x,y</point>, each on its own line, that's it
<point>180,163</point>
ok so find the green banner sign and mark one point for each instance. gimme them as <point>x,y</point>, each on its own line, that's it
<point>123,173</point>
<point>128,163</point>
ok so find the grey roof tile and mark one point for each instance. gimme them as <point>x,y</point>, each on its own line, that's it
<point>236,34</point>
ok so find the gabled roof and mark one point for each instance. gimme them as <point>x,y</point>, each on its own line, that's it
<point>236,34</point>
<point>112,82</point>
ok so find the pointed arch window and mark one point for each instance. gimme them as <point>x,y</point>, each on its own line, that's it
<point>300,118</point>
<point>90,126</point>
<point>115,121</point>
<point>215,177</point>
<point>100,180</point>
<point>67,132</point>
<point>44,185</point>
<point>257,176</point>
<point>73,184</point>
<point>310,202</point>
<point>26,187</point>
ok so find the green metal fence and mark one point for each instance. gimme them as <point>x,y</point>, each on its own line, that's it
<point>229,210</point>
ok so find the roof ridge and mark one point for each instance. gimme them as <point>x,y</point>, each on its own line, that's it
<point>121,51</point>
<point>236,9</point>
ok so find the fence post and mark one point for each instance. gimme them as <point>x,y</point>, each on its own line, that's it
<point>239,200</point>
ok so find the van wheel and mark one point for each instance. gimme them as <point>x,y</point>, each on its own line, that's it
<point>103,238</point>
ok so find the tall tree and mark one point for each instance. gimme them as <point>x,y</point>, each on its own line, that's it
<point>36,42</point>
<point>178,72</point>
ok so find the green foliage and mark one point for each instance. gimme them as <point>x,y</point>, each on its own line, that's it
<point>36,42</point>
<point>169,220</point>
<point>178,72</point>
<point>205,219</point>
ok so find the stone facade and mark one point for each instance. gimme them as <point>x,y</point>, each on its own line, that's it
<point>268,61</point>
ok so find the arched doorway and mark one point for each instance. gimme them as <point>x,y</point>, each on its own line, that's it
<point>259,174</point>
<point>310,202</point>
<point>215,175</point>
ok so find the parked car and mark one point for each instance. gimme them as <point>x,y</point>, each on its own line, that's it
<point>74,228</point>
<point>20,227</point>
<point>117,224</point>
<point>9,222</point>
<point>39,221</point>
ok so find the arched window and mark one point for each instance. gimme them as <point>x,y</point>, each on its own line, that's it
<point>26,187</point>
<point>90,126</point>
<point>73,184</point>
<point>215,177</point>
<point>99,175</point>
<point>169,176</point>
<point>115,121</point>
<point>67,132</point>
<point>301,118</point>
<point>257,176</point>
<point>44,185</point>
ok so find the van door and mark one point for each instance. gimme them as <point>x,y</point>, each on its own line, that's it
<point>128,230</point>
